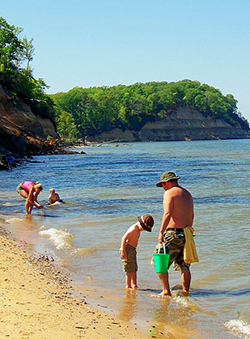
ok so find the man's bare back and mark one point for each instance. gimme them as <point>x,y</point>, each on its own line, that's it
<point>181,204</point>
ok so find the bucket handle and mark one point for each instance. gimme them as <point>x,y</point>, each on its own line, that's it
<point>164,248</point>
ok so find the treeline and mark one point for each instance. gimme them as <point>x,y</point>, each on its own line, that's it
<point>16,54</point>
<point>87,111</point>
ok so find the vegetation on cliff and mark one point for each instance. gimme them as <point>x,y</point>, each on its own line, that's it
<point>24,106</point>
<point>16,54</point>
<point>89,111</point>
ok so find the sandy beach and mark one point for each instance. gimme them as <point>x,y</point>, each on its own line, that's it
<point>83,236</point>
<point>37,301</point>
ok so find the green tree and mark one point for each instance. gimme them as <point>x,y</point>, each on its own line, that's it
<point>10,45</point>
<point>14,52</point>
<point>66,127</point>
<point>28,51</point>
<point>99,109</point>
<point>10,51</point>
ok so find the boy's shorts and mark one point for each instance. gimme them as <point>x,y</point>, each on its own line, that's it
<point>174,241</point>
<point>130,263</point>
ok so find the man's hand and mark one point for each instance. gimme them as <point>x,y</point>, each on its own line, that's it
<point>160,238</point>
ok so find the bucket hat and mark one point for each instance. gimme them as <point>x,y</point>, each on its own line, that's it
<point>146,221</point>
<point>167,176</point>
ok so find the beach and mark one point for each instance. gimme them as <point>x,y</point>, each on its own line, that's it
<point>37,301</point>
<point>103,192</point>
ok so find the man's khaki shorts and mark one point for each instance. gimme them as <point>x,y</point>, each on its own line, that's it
<point>174,241</point>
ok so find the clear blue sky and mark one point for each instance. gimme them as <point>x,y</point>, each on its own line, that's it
<point>110,42</point>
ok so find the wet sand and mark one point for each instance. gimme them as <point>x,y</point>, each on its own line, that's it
<point>37,301</point>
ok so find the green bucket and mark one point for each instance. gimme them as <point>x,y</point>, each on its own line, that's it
<point>161,261</point>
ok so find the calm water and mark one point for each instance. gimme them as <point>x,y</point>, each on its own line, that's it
<point>106,189</point>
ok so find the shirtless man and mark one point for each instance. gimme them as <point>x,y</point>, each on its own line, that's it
<point>129,243</point>
<point>178,214</point>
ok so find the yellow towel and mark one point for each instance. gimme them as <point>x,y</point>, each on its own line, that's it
<point>189,251</point>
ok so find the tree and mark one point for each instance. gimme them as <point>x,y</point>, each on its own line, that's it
<point>28,51</point>
<point>10,45</point>
<point>10,51</point>
<point>66,127</point>
<point>99,109</point>
<point>14,52</point>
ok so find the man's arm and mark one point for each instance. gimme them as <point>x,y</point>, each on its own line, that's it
<point>167,212</point>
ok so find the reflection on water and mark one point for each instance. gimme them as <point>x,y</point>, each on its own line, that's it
<point>128,305</point>
<point>106,189</point>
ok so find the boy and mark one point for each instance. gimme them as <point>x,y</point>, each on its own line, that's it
<point>53,196</point>
<point>129,243</point>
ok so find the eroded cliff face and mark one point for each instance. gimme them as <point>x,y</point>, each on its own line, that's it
<point>20,116</point>
<point>21,131</point>
<point>183,124</point>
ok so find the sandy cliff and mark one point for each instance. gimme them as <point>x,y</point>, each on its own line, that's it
<point>182,124</point>
<point>21,131</point>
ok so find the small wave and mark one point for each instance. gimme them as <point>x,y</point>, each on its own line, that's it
<point>18,211</point>
<point>61,239</point>
<point>84,251</point>
<point>13,219</point>
<point>8,204</point>
<point>238,326</point>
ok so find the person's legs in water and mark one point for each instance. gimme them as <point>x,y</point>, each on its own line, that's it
<point>165,283</point>
<point>131,280</point>
<point>28,206</point>
<point>186,280</point>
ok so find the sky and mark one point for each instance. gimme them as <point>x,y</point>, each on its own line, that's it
<point>94,43</point>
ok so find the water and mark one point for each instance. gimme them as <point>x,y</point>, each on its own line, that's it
<point>105,190</point>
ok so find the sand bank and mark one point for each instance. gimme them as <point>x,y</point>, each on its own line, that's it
<point>37,301</point>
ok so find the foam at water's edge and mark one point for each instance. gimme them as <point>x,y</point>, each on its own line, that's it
<point>61,239</point>
<point>238,326</point>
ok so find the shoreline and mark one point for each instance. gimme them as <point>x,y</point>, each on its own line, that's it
<point>86,233</point>
<point>38,301</point>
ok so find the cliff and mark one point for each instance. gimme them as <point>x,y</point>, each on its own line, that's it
<point>22,133</point>
<point>182,124</point>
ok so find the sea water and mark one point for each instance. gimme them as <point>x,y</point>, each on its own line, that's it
<point>105,190</point>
